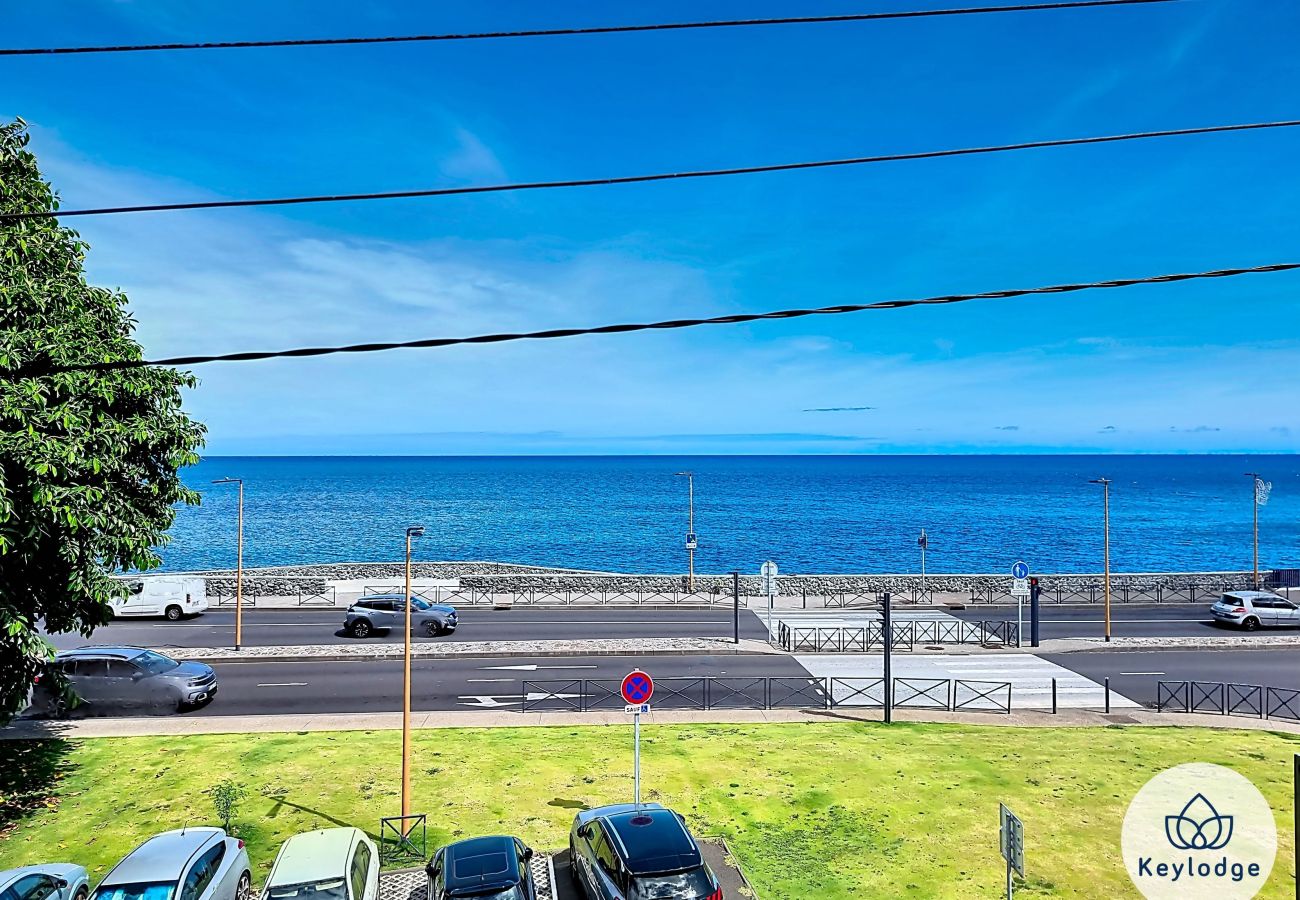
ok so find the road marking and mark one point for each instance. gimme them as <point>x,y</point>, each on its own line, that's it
<point>1141,673</point>
<point>486,680</point>
<point>532,667</point>
<point>232,624</point>
<point>284,684</point>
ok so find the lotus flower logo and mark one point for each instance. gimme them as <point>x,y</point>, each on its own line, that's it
<point>1199,826</point>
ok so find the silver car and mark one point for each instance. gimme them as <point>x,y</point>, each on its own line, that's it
<point>384,612</point>
<point>1255,609</point>
<point>109,680</point>
<point>200,863</point>
<point>54,881</point>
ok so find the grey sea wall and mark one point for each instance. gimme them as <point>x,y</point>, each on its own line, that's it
<point>506,578</point>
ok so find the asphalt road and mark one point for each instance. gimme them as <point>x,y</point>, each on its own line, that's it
<point>268,627</point>
<point>1185,620</point>
<point>1135,673</point>
<point>306,686</point>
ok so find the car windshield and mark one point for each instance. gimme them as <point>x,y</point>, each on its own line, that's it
<point>330,889</point>
<point>155,663</point>
<point>421,604</point>
<point>148,890</point>
<point>510,893</point>
<point>694,883</point>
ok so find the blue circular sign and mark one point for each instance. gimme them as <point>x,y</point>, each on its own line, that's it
<point>638,687</point>
<point>1020,570</point>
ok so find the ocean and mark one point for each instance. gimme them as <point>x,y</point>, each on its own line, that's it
<point>807,513</point>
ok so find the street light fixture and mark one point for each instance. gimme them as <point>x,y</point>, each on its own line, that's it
<point>1105,485</point>
<point>239,561</point>
<point>691,542</point>
<point>414,531</point>
<point>1259,490</point>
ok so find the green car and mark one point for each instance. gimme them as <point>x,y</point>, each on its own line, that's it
<point>329,864</point>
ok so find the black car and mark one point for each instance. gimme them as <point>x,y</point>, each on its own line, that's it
<point>638,853</point>
<point>486,868</point>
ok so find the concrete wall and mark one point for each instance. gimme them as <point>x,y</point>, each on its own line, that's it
<point>509,578</point>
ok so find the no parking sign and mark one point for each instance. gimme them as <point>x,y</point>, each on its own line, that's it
<point>638,687</point>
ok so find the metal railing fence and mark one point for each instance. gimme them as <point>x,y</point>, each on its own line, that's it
<point>770,692</point>
<point>906,635</point>
<point>1228,698</point>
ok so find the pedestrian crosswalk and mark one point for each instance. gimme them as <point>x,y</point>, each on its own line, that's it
<point>1030,676</point>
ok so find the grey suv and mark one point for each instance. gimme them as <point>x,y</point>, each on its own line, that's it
<point>384,612</point>
<point>112,679</point>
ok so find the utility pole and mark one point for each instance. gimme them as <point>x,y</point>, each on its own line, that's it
<point>735,606</point>
<point>691,542</point>
<point>413,532</point>
<point>1105,485</point>
<point>239,561</point>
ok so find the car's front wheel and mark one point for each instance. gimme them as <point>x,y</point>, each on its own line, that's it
<point>245,887</point>
<point>81,894</point>
<point>361,628</point>
<point>1250,624</point>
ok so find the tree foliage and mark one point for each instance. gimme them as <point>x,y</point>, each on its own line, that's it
<point>89,461</point>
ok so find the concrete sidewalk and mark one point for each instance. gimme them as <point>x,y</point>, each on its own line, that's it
<point>300,724</point>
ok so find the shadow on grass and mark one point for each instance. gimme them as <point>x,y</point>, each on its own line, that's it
<point>30,772</point>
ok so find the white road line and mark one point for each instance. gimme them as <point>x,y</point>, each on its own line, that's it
<point>284,684</point>
<point>336,623</point>
<point>485,680</point>
<point>1141,673</point>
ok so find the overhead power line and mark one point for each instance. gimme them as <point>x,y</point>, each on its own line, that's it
<point>641,179</point>
<point>665,325</point>
<point>570,32</point>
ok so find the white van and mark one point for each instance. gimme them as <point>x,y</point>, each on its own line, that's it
<point>171,596</point>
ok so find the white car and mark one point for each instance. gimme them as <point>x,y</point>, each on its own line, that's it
<point>201,863</point>
<point>1255,609</point>
<point>54,881</point>
<point>172,596</point>
<point>328,864</point>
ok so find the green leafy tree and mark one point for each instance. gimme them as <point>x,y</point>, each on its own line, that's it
<point>89,461</point>
<point>226,795</point>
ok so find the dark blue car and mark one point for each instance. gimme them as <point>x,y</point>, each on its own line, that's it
<point>486,868</point>
<point>643,853</point>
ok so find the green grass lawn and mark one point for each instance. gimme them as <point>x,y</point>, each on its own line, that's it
<point>833,810</point>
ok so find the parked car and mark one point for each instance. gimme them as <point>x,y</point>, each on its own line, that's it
<point>1255,609</point>
<point>486,868</point>
<point>384,612</point>
<point>53,881</point>
<point>327,864</point>
<point>642,853</point>
<point>200,863</point>
<point>173,597</point>
<point>114,679</point>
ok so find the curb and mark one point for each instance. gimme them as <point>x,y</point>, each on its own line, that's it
<point>234,656</point>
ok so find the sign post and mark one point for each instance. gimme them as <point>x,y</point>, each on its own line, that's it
<point>768,572</point>
<point>1011,838</point>
<point>637,689</point>
<point>1020,590</point>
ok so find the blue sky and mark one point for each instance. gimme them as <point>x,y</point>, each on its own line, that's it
<point>1200,367</point>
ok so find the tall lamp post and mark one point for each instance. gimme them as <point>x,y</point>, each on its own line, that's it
<point>924,543</point>
<point>1259,491</point>
<point>1105,487</point>
<point>414,531</point>
<point>691,543</point>
<point>239,561</point>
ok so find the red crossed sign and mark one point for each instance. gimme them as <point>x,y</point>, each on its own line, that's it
<point>638,687</point>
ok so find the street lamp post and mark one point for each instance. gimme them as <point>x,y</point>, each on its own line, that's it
<point>690,530</point>
<point>1105,486</point>
<point>924,543</point>
<point>239,561</point>
<point>1258,496</point>
<point>413,532</point>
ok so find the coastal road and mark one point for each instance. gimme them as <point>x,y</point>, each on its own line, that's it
<point>1066,621</point>
<point>291,627</point>
<point>321,687</point>
<point>1135,673</point>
